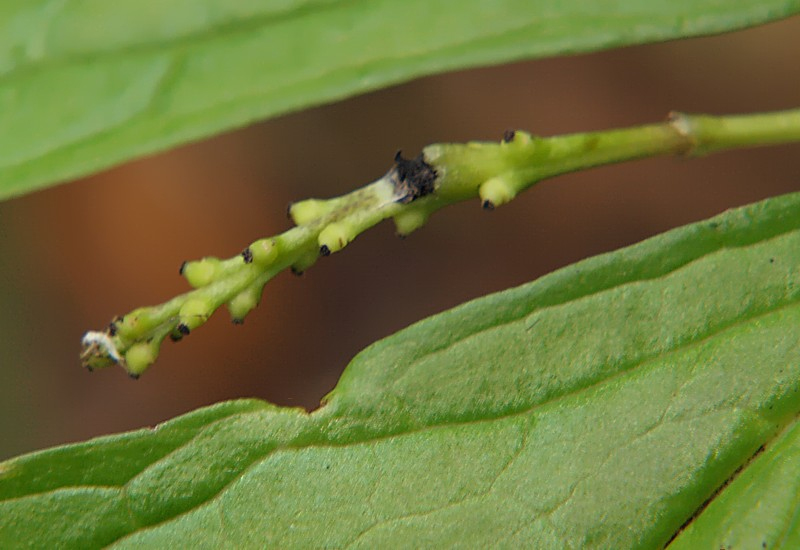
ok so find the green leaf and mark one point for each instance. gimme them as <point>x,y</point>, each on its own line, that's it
<point>85,85</point>
<point>600,406</point>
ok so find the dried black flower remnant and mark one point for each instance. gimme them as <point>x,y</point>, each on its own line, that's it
<point>412,178</point>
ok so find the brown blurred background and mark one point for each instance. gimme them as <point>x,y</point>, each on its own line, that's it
<point>73,256</point>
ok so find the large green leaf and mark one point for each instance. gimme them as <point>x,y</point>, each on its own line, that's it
<point>84,85</point>
<point>600,406</point>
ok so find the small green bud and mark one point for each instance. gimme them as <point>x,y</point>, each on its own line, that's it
<point>305,261</point>
<point>244,302</point>
<point>496,191</point>
<point>264,251</point>
<point>139,357</point>
<point>201,272</point>
<point>309,210</point>
<point>135,324</point>
<point>195,312</point>
<point>509,135</point>
<point>335,236</point>
<point>517,138</point>
<point>409,220</point>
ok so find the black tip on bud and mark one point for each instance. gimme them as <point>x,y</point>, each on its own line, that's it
<point>133,376</point>
<point>180,331</point>
<point>247,254</point>
<point>237,321</point>
<point>112,329</point>
<point>296,271</point>
<point>324,250</point>
<point>508,136</point>
<point>488,206</point>
<point>89,368</point>
<point>182,267</point>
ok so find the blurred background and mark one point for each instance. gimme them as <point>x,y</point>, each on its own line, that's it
<point>74,256</point>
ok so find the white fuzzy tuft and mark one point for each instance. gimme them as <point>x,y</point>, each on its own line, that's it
<point>102,341</point>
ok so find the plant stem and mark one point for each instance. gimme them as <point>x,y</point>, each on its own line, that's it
<point>409,193</point>
<point>526,160</point>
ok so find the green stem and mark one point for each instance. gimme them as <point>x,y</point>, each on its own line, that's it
<point>409,193</point>
<point>719,133</point>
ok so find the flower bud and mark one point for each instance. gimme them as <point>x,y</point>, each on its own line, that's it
<point>135,324</point>
<point>264,251</point>
<point>309,210</point>
<point>195,312</point>
<point>244,302</point>
<point>201,272</point>
<point>139,357</point>
<point>304,262</point>
<point>516,138</point>
<point>409,220</point>
<point>335,236</point>
<point>496,191</point>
